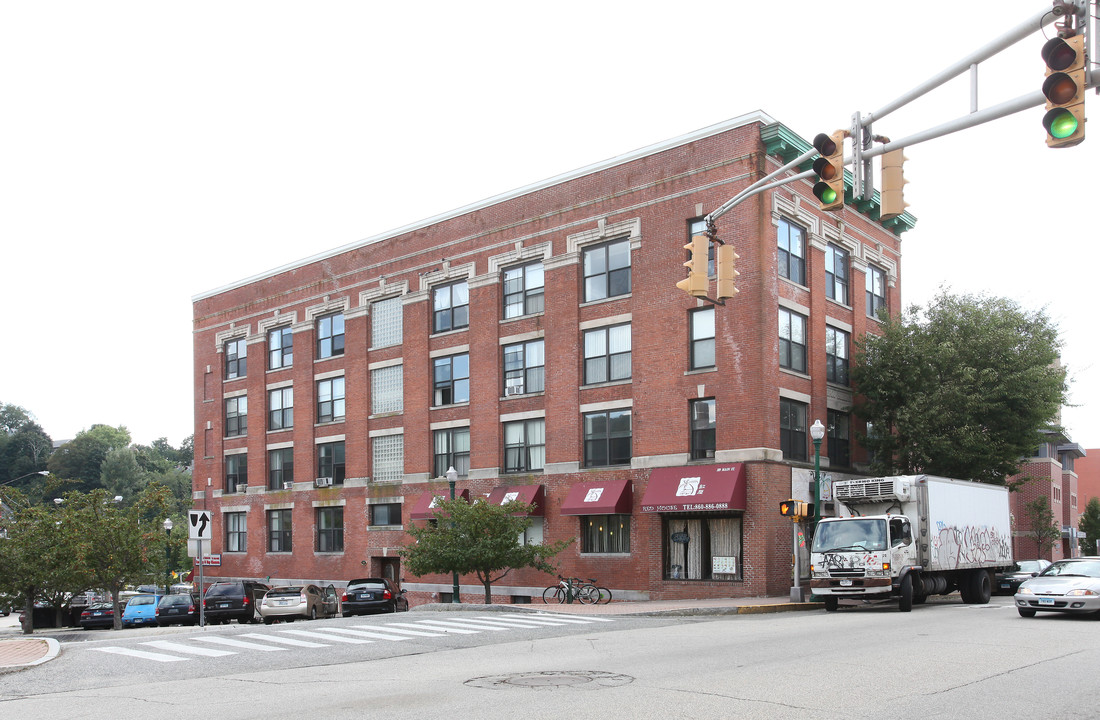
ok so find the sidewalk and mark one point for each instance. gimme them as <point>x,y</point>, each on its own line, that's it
<point>21,651</point>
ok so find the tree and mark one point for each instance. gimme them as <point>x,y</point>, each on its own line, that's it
<point>962,389</point>
<point>1040,522</point>
<point>1089,524</point>
<point>477,537</point>
<point>81,459</point>
<point>120,474</point>
<point>24,446</point>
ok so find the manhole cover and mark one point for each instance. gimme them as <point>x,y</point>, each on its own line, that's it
<point>580,679</point>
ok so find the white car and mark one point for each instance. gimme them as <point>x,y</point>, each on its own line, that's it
<point>1070,586</point>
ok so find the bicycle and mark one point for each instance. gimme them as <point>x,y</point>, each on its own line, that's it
<point>567,588</point>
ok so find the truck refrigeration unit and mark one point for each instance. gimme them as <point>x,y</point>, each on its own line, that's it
<point>907,537</point>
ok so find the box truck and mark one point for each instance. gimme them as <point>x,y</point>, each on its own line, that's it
<point>904,538</point>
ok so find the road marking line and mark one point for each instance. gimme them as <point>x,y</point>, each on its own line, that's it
<point>231,642</point>
<point>425,626</point>
<point>326,636</point>
<point>284,640</point>
<point>540,622</point>
<point>584,618</point>
<point>177,647</point>
<point>364,633</point>
<point>463,623</point>
<point>140,654</point>
<point>417,633</point>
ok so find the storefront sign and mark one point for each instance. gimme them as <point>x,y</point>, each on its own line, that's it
<point>680,537</point>
<point>723,565</point>
<point>210,560</point>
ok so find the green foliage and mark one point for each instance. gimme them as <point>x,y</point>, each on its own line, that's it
<point>1040,522</point>
<point>962,389</point>
<point>1089,524</point>
<point>479,538</point>
<point>81,459</point>
<point>120,474</point>
<point>24,447</point>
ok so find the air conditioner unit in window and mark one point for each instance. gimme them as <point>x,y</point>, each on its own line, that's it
<point>323,482</point>
<point>513,390</point>
<point>242,488</point>
<point>288,486</point>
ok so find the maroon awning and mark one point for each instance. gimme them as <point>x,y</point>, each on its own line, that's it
<point>611,497</point>
<point>424,508</point>
<point>529,494</point>
<point>696,487</point>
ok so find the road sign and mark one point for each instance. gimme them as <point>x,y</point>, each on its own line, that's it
<point>200,524</point>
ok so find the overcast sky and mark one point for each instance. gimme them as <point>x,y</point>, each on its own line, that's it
<point>153,151</point>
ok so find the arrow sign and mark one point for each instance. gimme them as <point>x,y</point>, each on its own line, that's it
<point>200,524</point>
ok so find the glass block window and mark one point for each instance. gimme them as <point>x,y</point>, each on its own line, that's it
<point>330,400</point>
<point>388,452</point>
<point>702,338</point>
<point>451,307</point>
<point>607,354</point>
<point>607,270</point>
<point>386,325</point>
<point>451,380</point>
<point>524,445</point>
<point>523,290</point>
<point>387,390</point>
<point>330,336</point>
<point>524,367</point>
<point>452,449</point>
<point>280,348</point>
<point>235,358</point>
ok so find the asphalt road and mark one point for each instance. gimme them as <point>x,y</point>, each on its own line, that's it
<point>943,660</point>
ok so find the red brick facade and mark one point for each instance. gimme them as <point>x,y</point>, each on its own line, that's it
<point>1052,474</point>
<point>646,200</point>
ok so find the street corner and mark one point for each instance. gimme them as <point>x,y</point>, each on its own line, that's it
<point>24,652</point>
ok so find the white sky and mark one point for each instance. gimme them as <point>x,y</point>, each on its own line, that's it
<point>152,151</point>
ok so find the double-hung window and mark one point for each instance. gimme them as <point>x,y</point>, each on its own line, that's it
<point>451,307</point>
<point>702,338</point>
<point>606,270</point>
<point>524,367</point>
<point>792,251</point>
<point>280,468</point>
<point>280,348</point>
<point>279,531</point>
<point>236,416</point>
<point>451,380</point>
<point>836,274</point>
<point>607,354</point>
<point>236,532</point>
<point>876,290</point>
<point>385,513</point>
<point>524,445</point>
<point>280,408</point>
<point>330,336</point>
<point>704,424</point>
<point>792,340</point>
<point>330,400</point>
<point>236,472</point>
<point>330,461</point>
<point>607,438</point>
<point>330,529</point>
<point>792,429</point>
<point>452,450</point>
<point>836,355</point>
<point>236,352</point>
<point>839,447</point>
<point>523,290</point>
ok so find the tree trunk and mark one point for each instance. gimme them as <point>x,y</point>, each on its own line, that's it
<point>488,592</point>
<point>28,610</point>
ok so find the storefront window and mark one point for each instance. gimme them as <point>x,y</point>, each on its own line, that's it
<point>605,533</point>
<point>702,547</point>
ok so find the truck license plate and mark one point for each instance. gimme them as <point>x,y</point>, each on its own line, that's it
<point>846,583</point>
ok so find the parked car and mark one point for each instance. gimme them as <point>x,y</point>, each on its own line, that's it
<point>299,601</point>
<point>98,615</point>
<point>233,600</point>
<point>140,610</point>
<point>372,595</point>
<point>1007,582</point>
<point>1070,586</point>
<point>182,608</point>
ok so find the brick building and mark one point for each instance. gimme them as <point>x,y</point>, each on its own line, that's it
<point>1052,473</point>
<point>537,343</point>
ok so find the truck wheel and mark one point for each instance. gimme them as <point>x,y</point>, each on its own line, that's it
<point>831,603</point>
<point>966,588</point>
<point>905,595</point>
<point>982,587</point>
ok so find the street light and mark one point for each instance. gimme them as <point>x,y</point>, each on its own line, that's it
<point>452,475</point>
<point>167,556</point>
<point>36,472</point>
<point>817,432</point>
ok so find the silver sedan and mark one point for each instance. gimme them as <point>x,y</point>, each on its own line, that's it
<point>298,601</point>
<point>1069,586</point>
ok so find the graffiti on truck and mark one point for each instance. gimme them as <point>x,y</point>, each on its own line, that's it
<point>969,545</point>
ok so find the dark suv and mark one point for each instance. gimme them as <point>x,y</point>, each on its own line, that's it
<point>236,600</point>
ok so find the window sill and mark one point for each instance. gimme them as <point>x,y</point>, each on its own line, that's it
<point>536,393</point>
<point>330,357</point>
<point>338,421</point>
<point>383,528</point>
<point>453,331</point>
<point>451,405</point>
<point>609,383</point>
<point>702,371</point>
<point>521,317</point>
<point>613,298</point>
<point>608,554</point>
<point>795,373</point>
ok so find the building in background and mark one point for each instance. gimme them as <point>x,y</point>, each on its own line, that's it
<point>536,342</point>
<point>1052,473</point>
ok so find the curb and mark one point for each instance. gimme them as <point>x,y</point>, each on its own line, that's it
<point>31,647</point>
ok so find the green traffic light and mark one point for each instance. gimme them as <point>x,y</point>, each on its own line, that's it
<point>1060,123</point>
<point>825,193</point>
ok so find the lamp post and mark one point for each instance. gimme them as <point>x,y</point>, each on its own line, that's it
<point>817,432</point>
<point>452,476</point>
<point>167,554</point>
<point>36,472</point>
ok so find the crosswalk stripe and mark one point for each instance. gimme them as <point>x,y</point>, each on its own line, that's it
<point>581,618</point>
<point>524,622</point>
<point>328,636</point>
<point>431,627</point>
<point>140,654</point>
<point>232,642</point>
<point>177,647</point>
<point>283,640</point>
<point>463,623</point>
<point>415,633</point>
<point>365,633</point>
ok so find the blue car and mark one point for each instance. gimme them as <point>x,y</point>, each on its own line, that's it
<point>140,610</point>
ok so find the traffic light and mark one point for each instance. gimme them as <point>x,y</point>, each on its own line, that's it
<point>697,282</point>
<point>829,189</point>
<point>1064,89</point>
<point>893,185</point>
<point>796,509</point>
<point>727,271</point>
